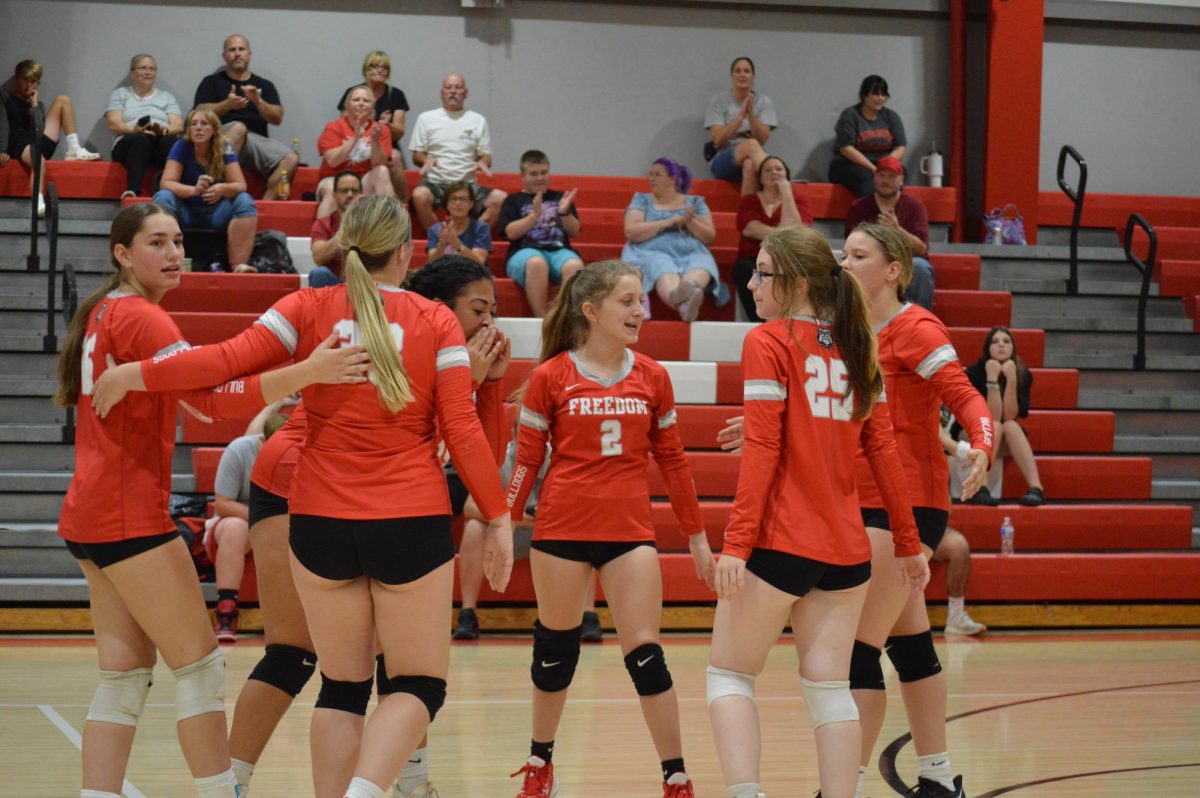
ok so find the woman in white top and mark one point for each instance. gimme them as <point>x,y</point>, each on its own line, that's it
<point>145,121</point>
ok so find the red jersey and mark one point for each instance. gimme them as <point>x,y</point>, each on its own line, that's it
<point>922,372</point>
<point>122,480</point>
<point>601,434</point>
<point>358,160</point>
<point>795,489</point>
<point>276,461</point>
<point>359,460</point>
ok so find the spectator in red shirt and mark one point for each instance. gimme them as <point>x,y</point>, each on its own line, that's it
<point>890,207</point>
<point>355,141</point>
<point>776,203</point>
<point>347,188</point>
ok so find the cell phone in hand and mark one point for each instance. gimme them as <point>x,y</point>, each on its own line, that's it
<point>145,120</point>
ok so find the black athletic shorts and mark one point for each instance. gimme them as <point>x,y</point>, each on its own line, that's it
<point>106,554</point>
<point>931,523</point>
<point>18,140</point>
<point>264,504</point>
<point>389,550</point>
<point>596,552</point>
<point>458,492</point>
<point>798,575</point>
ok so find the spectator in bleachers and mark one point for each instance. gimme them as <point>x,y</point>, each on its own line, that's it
<point>1006,383</point>
<point>460,234</point>
<point>775,203</point>
<point>452,144</point>
<point>203,186</point>
<point>145,122</point>
<point>390,108</point>
<point>538,223</point>
<point>24,113</point>
<point>246,104</point>
<point>955,551</point>
<point>227,533</point>
<point>740,121</point>
<point>326,253</point>
<point>866,132</point>
<point>669,233</point>
<point>357,142</point>
<point>889,206</point>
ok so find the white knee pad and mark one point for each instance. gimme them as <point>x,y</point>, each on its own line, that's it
<point>828,702</point>
<point>200,687</point>
<point>120,696</point>
<point>722,682</point>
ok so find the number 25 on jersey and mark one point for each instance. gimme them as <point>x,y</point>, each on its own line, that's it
<point>825,385</point>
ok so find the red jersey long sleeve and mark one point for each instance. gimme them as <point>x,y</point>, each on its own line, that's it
<point>795,489</point>
<point>122,480</point>
<point>922,372</point>
<point>276,461</point>
<point>489,406</point>
<point>360,461</point>
<point>601,434</point>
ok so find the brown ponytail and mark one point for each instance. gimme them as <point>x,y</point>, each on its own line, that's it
<point>802,254</point>
<point>127,224</point>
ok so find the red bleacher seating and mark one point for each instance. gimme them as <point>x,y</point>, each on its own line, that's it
<point>1112,210</point>
<point>1179,277</point>
<point>959,308</point>
<point>216,291</point>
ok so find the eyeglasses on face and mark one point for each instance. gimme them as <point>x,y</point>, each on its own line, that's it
<point>758,275</point>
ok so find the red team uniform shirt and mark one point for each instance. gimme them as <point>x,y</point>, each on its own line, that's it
<point>356,453</point>
<point>276,461</point>
<point>795,490</point>
<point>921,372</point>
<point>601,437</point>
<point>122,481</point>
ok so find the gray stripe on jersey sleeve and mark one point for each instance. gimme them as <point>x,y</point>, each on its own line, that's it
<point>532,419</point>
<point>453,356</point>
<point>666,421</point>
<point>935,360</point>
<point>764,390</point>
<point>274,321</point>
<point>171,349</point>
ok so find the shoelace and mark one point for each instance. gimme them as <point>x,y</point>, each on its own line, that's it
<point>533,774</point>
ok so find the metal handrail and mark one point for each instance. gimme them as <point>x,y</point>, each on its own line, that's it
<point>70,301</point>
<point>50,340</point>
<point>32,261</point>
<point>1146,267</point>
<point>1076,197</point>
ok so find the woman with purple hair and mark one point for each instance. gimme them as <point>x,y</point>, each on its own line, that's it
<point>669,232</point>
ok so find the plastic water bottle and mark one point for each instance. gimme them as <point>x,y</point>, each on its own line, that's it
<point>285,186</point>
<point>1006,536</point>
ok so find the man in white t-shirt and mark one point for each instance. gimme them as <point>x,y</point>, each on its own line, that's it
<point>451,144</point>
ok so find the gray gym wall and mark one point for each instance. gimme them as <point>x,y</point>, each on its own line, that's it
<point>605,88</point>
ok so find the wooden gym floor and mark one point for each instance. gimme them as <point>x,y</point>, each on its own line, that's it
<point>1063,714</point>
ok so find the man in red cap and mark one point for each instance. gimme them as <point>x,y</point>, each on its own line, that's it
<point>890,206</point>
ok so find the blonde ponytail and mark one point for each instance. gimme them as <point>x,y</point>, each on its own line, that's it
<point>372,230</point>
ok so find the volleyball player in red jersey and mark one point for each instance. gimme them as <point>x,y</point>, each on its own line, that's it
<point>922,372</point>
<point>371,548</point>
<point>795,548</point>
<point>604,409</point>
<point>143,589</point>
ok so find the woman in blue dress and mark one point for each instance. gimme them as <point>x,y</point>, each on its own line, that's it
<point>669,232</point>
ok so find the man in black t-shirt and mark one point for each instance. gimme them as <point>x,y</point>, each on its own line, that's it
<point>246,103</point>
<point>538,223</point>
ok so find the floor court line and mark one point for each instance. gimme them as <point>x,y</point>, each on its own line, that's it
<point>69,732</point>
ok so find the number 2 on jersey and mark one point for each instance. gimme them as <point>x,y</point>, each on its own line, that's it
<point>825,387</point>
<point>610,438</point>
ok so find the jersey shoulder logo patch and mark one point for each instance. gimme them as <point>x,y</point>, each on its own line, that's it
<point>825,337</point>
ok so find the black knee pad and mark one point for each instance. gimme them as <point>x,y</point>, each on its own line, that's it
<point>555,655</point>
<point>429,690</point>
<point>914,656</point>
<point>865,671</point>
<point>648,669</point>
<point>287,668</point>
<point>383,685</point>
<point>347,696</point>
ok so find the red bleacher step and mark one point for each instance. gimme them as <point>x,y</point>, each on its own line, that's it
<point>1075,477</point>
<point>972,307</point>
<point>229,293</point>
<point>1112,210</point>
<point>1070,430</point>
<point>1077,526</point>
<point>1179,277</point>
<point>955,271</point>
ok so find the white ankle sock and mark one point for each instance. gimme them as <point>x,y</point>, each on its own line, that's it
<point>862,776</point>
<point>97,794</point>
<point>936,767</point>
<point>222,785</point>
<point>749,789</point>
<point>242,771</point>
<point>361,788</point>
<point>73,142</point>
<point>416,770</point>
<point>956,604</point>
